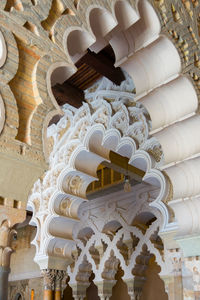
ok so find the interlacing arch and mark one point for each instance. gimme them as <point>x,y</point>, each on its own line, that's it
<point>124,242</point>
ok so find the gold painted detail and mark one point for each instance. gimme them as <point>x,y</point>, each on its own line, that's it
<point>107,178</point>
<point>113,173</point>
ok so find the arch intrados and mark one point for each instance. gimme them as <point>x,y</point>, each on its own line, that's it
<point>126,147</point>
<point>141,161</point>
<point>101,21</point>
<point>95,142</point>
<point>58,73</point>
<point>111,139</point>
<point>112,226</point>
<point>85,233</point>
<point>3,50</point>
<point>77,42</point>
<point>125,14</point>
<point>148,19</point>
<point>87,162</point>
<point>144,218</point>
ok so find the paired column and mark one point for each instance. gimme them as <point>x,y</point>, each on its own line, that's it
<point>135,286</point>
<point>9,217</point>
<point>58,284</point>
<point>105,289</point>
<point>4,272</point>
<point>79,290</point>
<point>6,235</point>
<point>52,284</point>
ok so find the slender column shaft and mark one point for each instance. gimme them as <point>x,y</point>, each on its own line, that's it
<point>58,284</point>
<point>48,295</point>
<point>57,295</point>
<point>49,280</point>
<point>10,216</point>
<point>4,272</point>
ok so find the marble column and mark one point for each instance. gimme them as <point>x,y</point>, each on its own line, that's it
<point>4,272</point>
<point>105,288</point>
<point>49,282</point>
<point>58,284</point>
<point>6,236</point>
<point>135,286</point>
<point>79,290</point>
<point>9,217</point>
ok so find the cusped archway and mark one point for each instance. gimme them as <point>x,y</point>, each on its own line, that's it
<point>139,127</point>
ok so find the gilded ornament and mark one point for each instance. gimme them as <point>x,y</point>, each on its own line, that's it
<point>196,60</point>
<point>176,15</point>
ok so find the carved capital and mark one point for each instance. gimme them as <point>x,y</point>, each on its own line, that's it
<point>79,290</point>
<point>59,276</point>
<point>105,288</point>
<point>6,237</point>
<point>111,267</point>
<point>135,287</point>
<point>49,276</point>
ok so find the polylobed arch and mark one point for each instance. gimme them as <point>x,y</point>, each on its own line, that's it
<point>159,47</point>
<point>125,14</point>
<point>101,21</point>
<point>90,141</point>
<point>104,252</point>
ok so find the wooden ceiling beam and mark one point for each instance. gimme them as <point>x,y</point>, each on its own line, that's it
<point>121,165</point>
<point>67,93</point>
<point>102,65</point>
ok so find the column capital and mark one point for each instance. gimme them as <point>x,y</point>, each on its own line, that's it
<point>79,290</point>
<point>105,288</point>
<point>59,276</point>
<point>135,286</point>
<point>49,276</point>
<point>7,234</point>
<point>9,216</point>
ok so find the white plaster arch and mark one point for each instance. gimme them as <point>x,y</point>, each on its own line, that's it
<point>155,67</point>
<point>156,64</point>
<point>138,35</point>
<point>148,28</point>
<point>2,114</point>
<point>58,72</point>
<point>170,103</point>
<point>100,20</point>
<point>3,50</point>
<point>76,41</point>
<point>90,137</point>
<point>3,56</point>
<point>107,240</point>
<point>125,14</point>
